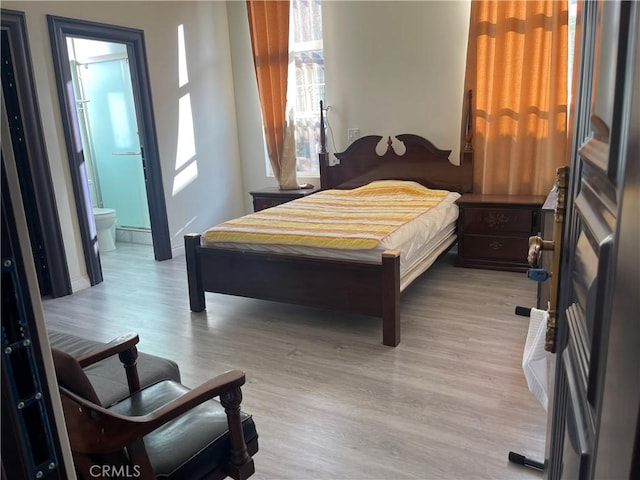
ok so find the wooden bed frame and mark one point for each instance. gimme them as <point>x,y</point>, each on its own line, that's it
<point>351,286</point>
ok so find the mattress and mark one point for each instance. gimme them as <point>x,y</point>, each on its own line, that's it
<point>419,240</point>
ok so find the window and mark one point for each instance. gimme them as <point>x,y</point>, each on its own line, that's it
<point>306,43</point>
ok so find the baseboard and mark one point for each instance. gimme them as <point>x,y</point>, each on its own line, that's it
<point>140,236</point>
<point>80,284</point>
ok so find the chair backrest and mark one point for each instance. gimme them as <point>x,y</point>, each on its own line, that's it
<point>71,376</point>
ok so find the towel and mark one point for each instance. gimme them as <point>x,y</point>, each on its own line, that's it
<point>536,361</point>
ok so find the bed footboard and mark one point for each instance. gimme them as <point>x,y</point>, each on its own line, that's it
<point>351,286</point>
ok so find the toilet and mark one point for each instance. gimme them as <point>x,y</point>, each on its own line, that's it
<point>106,226</point>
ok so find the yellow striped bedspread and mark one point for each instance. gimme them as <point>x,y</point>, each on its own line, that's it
<point>357,219</point>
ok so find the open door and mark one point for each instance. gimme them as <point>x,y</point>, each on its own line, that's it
<point>593,426</point>
<point>34,441</point>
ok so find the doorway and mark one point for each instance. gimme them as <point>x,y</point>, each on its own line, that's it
<point>109,131</point>
<point>110,135</point>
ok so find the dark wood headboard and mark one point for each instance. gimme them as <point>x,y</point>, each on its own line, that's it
<point>422,162</point>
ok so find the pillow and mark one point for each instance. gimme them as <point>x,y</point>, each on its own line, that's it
<point>395,187</point>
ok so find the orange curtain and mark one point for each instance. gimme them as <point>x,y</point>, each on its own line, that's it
<point>269,28</point>
<point>517,69</point>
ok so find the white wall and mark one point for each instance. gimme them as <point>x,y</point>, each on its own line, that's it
<point>390,67</point>
<point>216,194</point>
<point>396,67</point>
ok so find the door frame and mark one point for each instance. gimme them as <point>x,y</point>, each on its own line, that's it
<point>43,197</point>
<point>59,29</point>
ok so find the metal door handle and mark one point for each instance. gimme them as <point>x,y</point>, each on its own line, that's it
<point>536,246</point>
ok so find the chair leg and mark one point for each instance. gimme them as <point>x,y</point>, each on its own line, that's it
<point>240,463</point>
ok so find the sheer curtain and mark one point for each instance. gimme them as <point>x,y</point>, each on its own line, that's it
<point>517,69</point>
<point>269,29</point>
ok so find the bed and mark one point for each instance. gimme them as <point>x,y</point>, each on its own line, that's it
<point>365,285</point>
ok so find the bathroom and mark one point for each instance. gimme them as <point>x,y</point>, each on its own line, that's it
<point>109,132</point>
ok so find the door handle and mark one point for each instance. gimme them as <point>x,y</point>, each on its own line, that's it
<point>126,153</point>
<point>536,246</point>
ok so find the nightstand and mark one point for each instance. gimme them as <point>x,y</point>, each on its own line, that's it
<point>272,196</point>
<point>494,230</point>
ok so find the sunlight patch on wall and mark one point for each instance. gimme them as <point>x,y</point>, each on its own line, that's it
<point>186,140</point>
<point>185,177</point>
<point>186,168</point>
<point>183,74</point>
<point>186,228</point>
<point>186,150</point>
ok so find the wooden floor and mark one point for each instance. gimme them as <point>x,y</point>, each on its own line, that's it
<point>329,400</point>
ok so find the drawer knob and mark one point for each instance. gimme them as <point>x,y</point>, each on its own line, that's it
<point>495,245</point>
<point>496,220</point>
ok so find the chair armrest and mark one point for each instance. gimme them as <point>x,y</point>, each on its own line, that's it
<point>118,345</point>
<point>226,382</point>
<point>125,347</point>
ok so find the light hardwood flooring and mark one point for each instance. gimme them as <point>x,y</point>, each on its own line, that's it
<point>329,400</point>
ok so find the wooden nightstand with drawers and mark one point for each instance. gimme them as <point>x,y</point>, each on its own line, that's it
<point>271,196</point>
<point>494,230</point>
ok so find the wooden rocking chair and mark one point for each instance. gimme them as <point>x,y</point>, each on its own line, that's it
<point>164,430</point>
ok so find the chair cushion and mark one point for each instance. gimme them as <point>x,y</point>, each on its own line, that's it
<point>108,377</point>
<point>190,446</point>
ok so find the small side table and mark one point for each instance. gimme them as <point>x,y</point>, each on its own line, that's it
<point>271,196</point>
<point>494,230</point>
